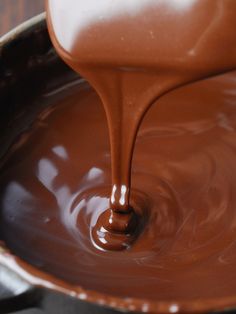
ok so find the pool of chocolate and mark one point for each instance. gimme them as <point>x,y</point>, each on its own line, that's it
<point>55,182</point>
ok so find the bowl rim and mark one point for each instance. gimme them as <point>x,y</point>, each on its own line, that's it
<point>37,278</point>
<point>21,28</point>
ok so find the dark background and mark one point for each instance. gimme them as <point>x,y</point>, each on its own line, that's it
<point>14,12</point>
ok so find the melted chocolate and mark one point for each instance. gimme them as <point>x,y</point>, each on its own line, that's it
<point>52,193</point>
<point>56,203</point>
<point>133,53</point>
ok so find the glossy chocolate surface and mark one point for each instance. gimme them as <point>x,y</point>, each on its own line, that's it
<point>177,220</point>
<point>186,249</point>
<point>132,53</point>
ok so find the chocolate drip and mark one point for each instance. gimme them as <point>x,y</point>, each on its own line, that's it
<point>132,55</point>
